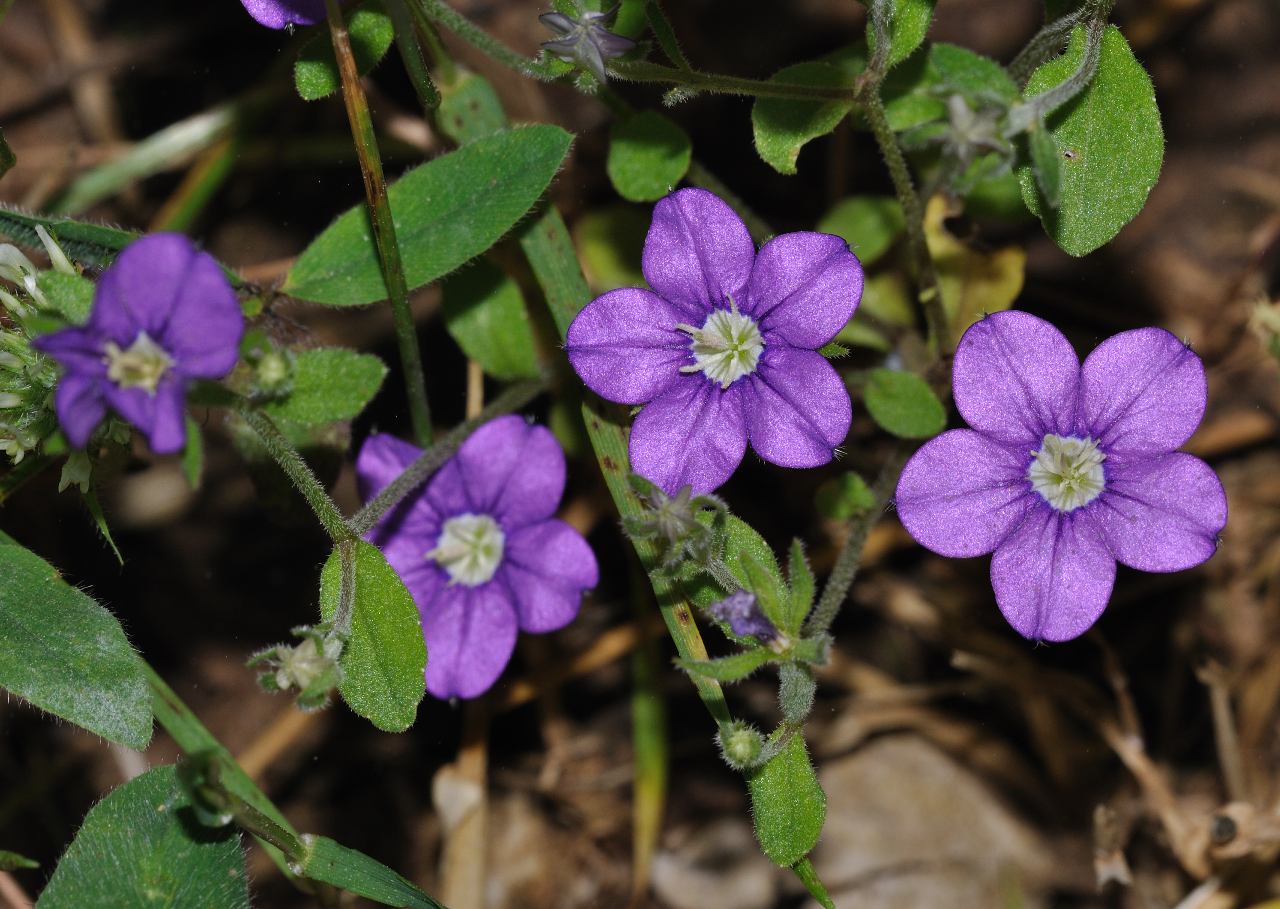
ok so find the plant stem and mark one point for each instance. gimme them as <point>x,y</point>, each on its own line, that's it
<point>296,469</point>
<point>444,15</point>
<point>411,53</point>
<point>434,457</point>
<point>384,229</point>
<point>850,558</point>
<point>1044,46</point>
<point>644,71</point>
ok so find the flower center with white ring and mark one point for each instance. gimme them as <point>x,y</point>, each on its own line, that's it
<point>1067,471</point>
<point>469,549</point>
<point>141,365</point>
<point>726,347</point>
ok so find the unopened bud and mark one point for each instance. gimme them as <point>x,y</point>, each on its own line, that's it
<point>740,744</point>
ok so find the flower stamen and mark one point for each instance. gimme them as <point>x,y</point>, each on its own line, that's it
<point>470,549</point>
<point>142,365</point>
<point>727,346</point>
<point>1067,472</point>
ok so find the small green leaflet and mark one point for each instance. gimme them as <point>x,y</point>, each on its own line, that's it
<point>907,28</point>
<point>783,126</point>
<point>787,803</point>
<point>903,404</point>
<point>484,311</point>
<point>648,156</point>
<point>137,849</point>
<point>315,75</point>
<point>330,384</point>
<point>446,212</point>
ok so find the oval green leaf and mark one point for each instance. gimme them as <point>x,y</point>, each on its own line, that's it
<point>315,75</point>
<point>330,384</point>
<point>648,156</point>
<point>484,311</point>
<point>783,126</point>
<point>903,404</point>
<point>1111,143</point>
<point>66,654</point>
<point>446,212</point>
<point>139,847</point>
<point>788,805</point>
<point>386,658</point>
<point>907,28</point>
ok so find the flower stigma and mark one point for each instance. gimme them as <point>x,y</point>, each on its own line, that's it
<point>142,365</point>
<point>726,347</point>
<point>469,549</point>
<point>1067,471</point>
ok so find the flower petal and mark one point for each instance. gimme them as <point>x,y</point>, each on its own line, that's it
<point>547,566</point>
<point>804,288</point>
<point>961,494</point>
<point>382,458</point>
<point>80,350</point>
<point>625,346</point>
<point>80,407</point>
<point>1162,514</point>
<point>280,13</point>
<point>412,527</point>
<point>204,327</point>
<point>470,634</point>
<point>693,434</point>
<point>797,408</point>
<point>1015,379</point>
<point>1141,392</point>
<point>1053,575</point>
<point>697,253</point>
<point>513,471</point>
<point>140,290</point>
<point>161,416</point>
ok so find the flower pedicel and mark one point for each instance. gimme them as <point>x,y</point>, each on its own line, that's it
<point>1067,469</point>
<point>479,548</point>
<point>725,347</point>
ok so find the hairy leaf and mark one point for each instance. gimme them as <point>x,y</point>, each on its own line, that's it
<point>315,74</point>
<point>787,804</point>
<point>648,156</point>
<point>484,311</point>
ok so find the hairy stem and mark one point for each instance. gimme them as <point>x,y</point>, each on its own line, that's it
<point>1044,46</point>
<point>411,53</point>
<point>297,470</point>
<point>434,457</point>
<point>644,71</point>
<point>445,16</point>
<point>1033,111</point>
<point>384,229</point>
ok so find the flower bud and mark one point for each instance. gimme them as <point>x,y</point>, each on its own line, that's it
<point>740,744</point>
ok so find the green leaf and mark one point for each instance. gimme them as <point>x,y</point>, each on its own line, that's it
<point>833,350</point>
<point>1111,142</point>
<point>732,668</point>
<point>907,28</point>
<point>12,861</point>
<point>193,454</point>
<point>787,804</point>
<point>385,659</point>
<point>800,577</point>
<point>741,542</point>
<point>1046,161</point>
<point>70,296</point>
<point>782,126</point>
<point>869,224</point>
<point>648,156</point>
<point>446,212</point>
<point>84,242</point>
<point>958,70</point>
<point>484,311</point>
<point>66,654</point>
<point>610,242</point>
<point>845,497</point>
<point>139,847</point>
<point>355,872</point>
<point>470,109</point>
<point>315,74</point>
<point>903,404</point>
<point>330,384</point>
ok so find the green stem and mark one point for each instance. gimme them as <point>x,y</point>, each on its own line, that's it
<point>804,870</point>
<point>929,295</point>
<point>446,16</point>
<point>384,229</point>
<point>343,615</point>
<point>296,469</point>
<point>1044,46</point>
<point>411,53</point>
<point>434,457</point>
<point>850,557</point>
<point>644,71</point>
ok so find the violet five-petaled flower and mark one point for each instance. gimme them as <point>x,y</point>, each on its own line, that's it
<point>479,548</point>
<point>1067,469</point>
<point>163,314</point>
<point>586,40</point>
<point>283,13</point>
<point>724,347</point>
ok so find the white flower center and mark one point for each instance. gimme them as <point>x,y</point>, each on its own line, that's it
<point>469,549</point>
<point>142,365</point>
<point>726,347</point>
<point>1067,471</point>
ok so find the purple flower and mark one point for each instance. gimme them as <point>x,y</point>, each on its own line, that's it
<point>744,617</point>
<point>1067,469</point>
<point>586,40</point>
<point>162,315</point>
<point>479,548</point>
<point>282,13</point>
<point>724,348</point>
